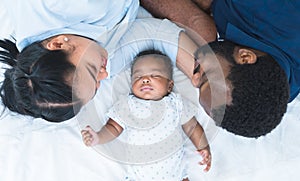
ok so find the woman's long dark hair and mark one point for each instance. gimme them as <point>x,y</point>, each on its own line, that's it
<point>35,82</point>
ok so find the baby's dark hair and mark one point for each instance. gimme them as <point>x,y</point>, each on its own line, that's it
<point>35,82</point>
<point>259,97</point>
<point>158,54</point>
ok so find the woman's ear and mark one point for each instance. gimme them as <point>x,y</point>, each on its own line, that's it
<point>245,56</point>
<point>58,42</point>
<point>196,79</point>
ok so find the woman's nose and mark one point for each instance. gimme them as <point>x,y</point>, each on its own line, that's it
<point>102,74</point>
<point>98,77</point>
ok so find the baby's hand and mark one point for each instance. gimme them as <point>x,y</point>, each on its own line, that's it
<point>206,155</point>
<point>89,136</point>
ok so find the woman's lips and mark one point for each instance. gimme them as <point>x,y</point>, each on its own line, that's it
<point>104,61</point>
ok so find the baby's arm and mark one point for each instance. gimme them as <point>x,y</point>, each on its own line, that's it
<point>108,132</point>
<point>196,133</point>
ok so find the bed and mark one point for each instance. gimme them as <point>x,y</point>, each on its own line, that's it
<point>33,149</point>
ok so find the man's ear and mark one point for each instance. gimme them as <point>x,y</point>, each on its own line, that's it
<point>245,56</point>
<point>196,79</point>
<point>57,43</point>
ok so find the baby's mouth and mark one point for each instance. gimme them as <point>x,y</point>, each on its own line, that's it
<point>146,88</point>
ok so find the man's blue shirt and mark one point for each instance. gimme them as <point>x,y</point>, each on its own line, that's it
<point>270,26</point>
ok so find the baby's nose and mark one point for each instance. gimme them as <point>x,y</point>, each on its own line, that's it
<point>146,80</point>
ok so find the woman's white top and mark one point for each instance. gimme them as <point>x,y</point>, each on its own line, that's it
<point>36,20</point>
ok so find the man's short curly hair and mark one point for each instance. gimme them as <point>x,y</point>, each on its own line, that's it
<point>259,98</point>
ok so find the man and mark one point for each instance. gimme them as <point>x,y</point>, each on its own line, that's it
<point>262,67</point>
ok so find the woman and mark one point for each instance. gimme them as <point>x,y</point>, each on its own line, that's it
<point>71,47</point>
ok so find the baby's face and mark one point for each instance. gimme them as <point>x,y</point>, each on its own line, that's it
<point>150,78</point>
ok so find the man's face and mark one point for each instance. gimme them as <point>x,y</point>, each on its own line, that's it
<point>210,76</point>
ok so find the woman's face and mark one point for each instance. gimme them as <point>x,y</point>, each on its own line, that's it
<point>90,60</point>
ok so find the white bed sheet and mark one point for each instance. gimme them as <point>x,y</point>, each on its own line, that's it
<point>34,150</point>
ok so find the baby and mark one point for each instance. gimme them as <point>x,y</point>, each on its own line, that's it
<point>153,114</point>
